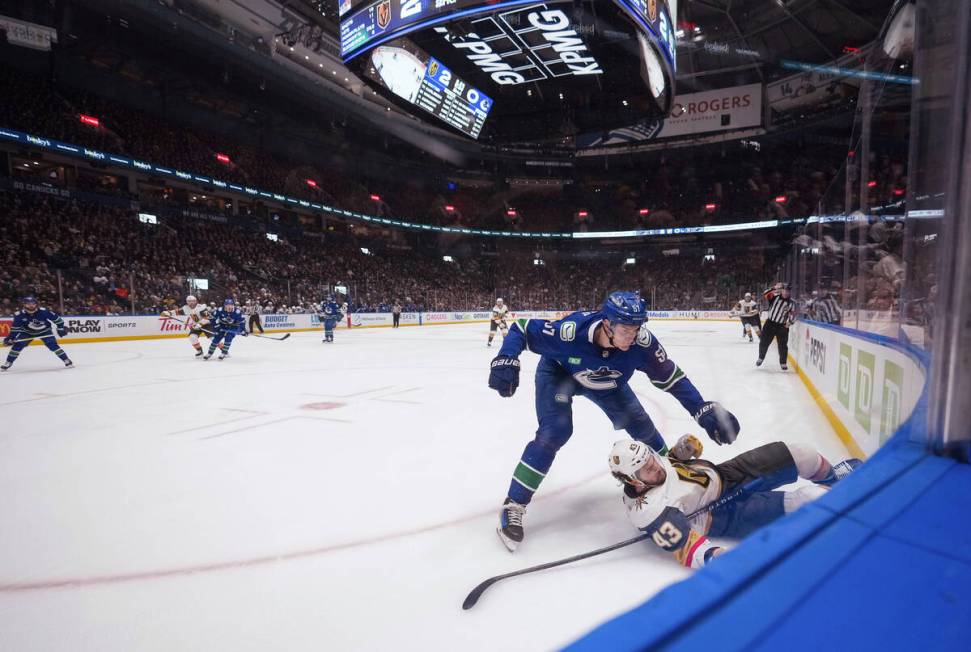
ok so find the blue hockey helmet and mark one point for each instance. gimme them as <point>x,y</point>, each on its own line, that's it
<point>229,302</point>
<point>30,301</point>
<point>625,308</point>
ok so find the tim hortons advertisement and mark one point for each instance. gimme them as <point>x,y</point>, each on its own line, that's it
<point>5,326</point>
<point>171,325</point>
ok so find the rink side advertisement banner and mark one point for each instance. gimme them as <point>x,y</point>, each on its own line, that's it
<point>865,386</point>
<point>144,327</point>
<point>724,109</point>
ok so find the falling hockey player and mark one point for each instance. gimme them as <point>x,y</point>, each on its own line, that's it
<point>592,354</point>
<point>227,322</point>
<point>660,491</point>
<point>198,318</point>
<point>330,314</point>
<point>34,323</point>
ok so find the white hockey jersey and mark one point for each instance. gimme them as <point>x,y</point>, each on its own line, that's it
<point>687,487</point>
<point>748,308</point>
<point>198,316</point>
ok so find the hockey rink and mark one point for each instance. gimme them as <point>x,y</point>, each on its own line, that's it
<point>310,496</point>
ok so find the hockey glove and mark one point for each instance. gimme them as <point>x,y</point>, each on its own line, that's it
<point>61,331</point>
<point>720,424</point>
<point>687,448</point>
<point>8,341</point>
<point>243,334</point>
<point>504,375</point>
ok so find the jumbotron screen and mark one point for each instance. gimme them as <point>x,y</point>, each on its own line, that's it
<point>423,81</point>
<point>532,68</point>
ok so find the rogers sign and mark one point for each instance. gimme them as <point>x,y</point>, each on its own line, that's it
<point>716,105</point>
<point>738,107</point>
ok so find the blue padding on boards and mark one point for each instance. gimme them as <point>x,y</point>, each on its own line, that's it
<point>835,561</point>
<point>891,596</point>
<point>940,519</point>
<point>745,618</point>
<point>681,605</point>
<point>887,504</point>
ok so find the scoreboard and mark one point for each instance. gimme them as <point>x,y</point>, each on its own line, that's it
<point>423,81</point>
<point>377,21</point>
<point>579,56</point>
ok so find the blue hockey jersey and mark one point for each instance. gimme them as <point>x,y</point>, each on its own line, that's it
<point>330,311</point>
<point>36,324</point>
<point>570,343</point>
<point>225,321</point>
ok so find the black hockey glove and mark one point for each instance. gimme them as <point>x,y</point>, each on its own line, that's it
<point>8,341</point>
<point>243,334</point>
<point>720,424</point>
<point>504,375</point>
<point>61,331</point>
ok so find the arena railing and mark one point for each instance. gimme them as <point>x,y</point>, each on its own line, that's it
<point>210,184</point>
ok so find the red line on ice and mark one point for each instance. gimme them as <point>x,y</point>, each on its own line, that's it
<point>15,587</point>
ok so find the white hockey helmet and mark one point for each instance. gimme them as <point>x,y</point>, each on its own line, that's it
<point>748,295</point>
<point>499,301</point>
<point>191,298</point>
<point>627,457</point>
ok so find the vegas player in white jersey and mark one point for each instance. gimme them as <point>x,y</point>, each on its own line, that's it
<point>498,320</point>
<point>661,491</point>
<point>198,318</point>
<point>747,310</point>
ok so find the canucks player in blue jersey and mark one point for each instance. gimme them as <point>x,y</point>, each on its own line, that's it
<point>34,323</point>
<point>226,323</point>
<point>330,314</point>
<point>591,354</point>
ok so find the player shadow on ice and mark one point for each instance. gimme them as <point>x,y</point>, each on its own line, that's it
<point>597,513</point>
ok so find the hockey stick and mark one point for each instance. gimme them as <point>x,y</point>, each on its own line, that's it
<point>199,327</point>
<point>270,337</point>
<point>28,339</point>
<point>477,592</point>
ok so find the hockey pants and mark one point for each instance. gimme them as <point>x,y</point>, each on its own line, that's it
<point>555,389</point>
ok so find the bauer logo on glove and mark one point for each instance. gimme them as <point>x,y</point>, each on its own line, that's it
<point>504,375</point>
<point>720,424</point>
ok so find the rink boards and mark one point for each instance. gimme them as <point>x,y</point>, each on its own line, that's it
<point>148,327</point>
<point>866,384</point>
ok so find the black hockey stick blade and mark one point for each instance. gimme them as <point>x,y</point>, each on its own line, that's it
<point>477,592</point>
<point>473,597</point>
<point>270,337</point>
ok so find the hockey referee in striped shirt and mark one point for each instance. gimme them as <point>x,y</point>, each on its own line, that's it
<point>781,316</point>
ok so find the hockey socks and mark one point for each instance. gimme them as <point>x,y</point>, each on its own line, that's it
<point>11,357</point>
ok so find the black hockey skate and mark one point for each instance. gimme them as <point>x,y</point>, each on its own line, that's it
<point>207,356</point>
<point>223,355</point>
<point>510,528</point>
<point>68,363</point>
<point>199,353</point>
<point>5,366</point>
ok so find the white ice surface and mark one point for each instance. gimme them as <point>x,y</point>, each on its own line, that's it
<point>152,501</point>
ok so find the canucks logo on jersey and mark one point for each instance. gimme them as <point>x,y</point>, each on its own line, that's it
<point>602,378</point>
